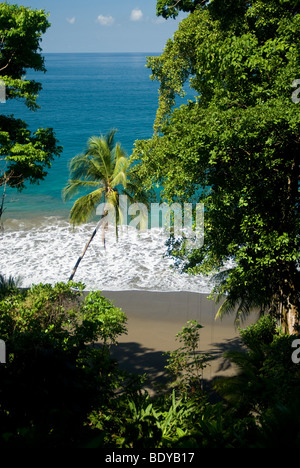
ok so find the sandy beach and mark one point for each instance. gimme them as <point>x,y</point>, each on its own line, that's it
<point>154,319</point>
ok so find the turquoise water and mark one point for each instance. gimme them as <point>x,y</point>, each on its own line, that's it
<point>84,95</point>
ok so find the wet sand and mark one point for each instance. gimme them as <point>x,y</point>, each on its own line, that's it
<point>154,319</point>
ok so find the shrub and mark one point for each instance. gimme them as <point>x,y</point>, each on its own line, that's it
<point>266,375</point>
<point>58,365</point>
<point>186,363</point>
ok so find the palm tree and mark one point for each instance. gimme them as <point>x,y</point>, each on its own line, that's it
<point>9,285</point>
<point>103,168</point>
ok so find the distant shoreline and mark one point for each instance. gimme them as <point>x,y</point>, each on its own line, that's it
<point>102,53</point>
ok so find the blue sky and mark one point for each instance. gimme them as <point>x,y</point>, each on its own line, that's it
<point>103,25</point>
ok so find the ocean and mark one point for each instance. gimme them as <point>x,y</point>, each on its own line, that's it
<point>85,95</point>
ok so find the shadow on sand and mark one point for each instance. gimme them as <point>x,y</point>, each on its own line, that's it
<point>139,360</point>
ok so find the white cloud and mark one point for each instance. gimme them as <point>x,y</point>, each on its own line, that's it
<point>136,14</point>
<point>105,20</point>
<point>71,20</point>
<point>159,21</point>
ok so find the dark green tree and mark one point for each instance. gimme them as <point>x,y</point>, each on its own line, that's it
<point>171,8</point>
<point>237,143</point>
<point>24,156</point>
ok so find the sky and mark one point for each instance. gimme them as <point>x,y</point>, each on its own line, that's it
<point>103,25</point>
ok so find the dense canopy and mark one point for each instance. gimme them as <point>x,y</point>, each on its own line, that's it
<point>237,143</point>
<point>24,156</point>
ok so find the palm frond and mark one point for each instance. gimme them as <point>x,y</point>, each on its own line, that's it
<point>75,186</point>
<point>96,170</point>
<point>101,151</point>
<point>78,166</point>
<point>240,303</point>
<point>9,285</point>
<point>110,138</point>
<point>240,306</point>
<point>113,199</point>
<point>86,166</point>
<point>136,194</point>
<point>119,178</point>
<point>85,207</point>
<point>119,152</point>
<point>103,166</point>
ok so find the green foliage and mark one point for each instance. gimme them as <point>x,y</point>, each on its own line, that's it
<point>24,156</point>
<point>170,8</point>
<point>186,363</point>
<point>150,423</point>
<point>20,32</point>
<point>57,314</point>
<point>257,401</point>
<point>104,168</point>
<point>60,387</point>
<point>236,144</point>
<point>280,425</point>
<point>104,319</point>
<point>58,365</point>
<point>239,143</point>
<point>8,285</point>
<point>267,378</point>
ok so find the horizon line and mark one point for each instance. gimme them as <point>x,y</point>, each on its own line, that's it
<point>98,52</point>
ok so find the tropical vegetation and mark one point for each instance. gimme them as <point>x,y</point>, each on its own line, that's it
<point>61,386</point>
<point>25,157</point>
<point>236,144</point>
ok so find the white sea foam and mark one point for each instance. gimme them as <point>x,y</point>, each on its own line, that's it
<point>46,250</point>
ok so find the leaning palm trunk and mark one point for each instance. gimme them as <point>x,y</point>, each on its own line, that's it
<point>86,247</point>
<point>83,253</point>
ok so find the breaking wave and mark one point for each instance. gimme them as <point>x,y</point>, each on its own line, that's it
<point>45,250</point>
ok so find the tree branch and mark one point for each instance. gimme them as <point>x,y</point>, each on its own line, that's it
<point>5,66</point>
